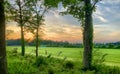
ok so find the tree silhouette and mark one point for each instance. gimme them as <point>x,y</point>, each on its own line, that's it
<point>3,60</point>
<point>18,12</point>
<point>37,11</point>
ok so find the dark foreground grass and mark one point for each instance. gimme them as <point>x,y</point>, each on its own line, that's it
<point>29,64</point>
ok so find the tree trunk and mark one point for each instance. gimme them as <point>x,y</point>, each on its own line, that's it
<point>37,42</point>
<point>3,60</point>
<point>22,29</point>
<point>88,36</point>
<point>22,41</point>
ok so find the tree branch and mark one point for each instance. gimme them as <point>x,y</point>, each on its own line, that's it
<point>94,4</point>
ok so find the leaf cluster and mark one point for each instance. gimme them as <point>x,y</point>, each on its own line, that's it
<point>37,11</point>
<point>17,10</point>
<point>51,3</point>
<point>27,13</point>
<point>73,7</point>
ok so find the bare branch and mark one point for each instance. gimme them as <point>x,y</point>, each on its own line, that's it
<point>95,2</point>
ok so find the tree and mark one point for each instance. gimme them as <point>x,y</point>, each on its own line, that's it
<point>37,10</point>
<point>20,14</point>
<point>3,60</point>
<point>82,10</point>
<point>88,35</point>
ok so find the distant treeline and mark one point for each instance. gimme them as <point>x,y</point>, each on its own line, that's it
<point>114,45</point>
<point>50,43</point>
<point>46,43</point>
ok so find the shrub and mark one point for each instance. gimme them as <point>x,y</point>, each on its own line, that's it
<point>68,65</point>
<point>108,70</point>
<point>21,67</point>
<point>98,58</point>
<point>14,50</point>
<point>40,61</point>
<point>59,53</point>
<point>50,71</point>
<point>49,56</point>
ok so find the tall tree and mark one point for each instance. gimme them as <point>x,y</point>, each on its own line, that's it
<point>3,60</point>
<point>37,10</point>
<point>88,35</point>
<point>20,14</point>
<point>82,10</point>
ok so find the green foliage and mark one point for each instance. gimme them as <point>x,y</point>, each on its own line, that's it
<point>46,43</point>
<point>74,54</point>
<point>107,70</point>
<point>59,53</point>
<point>98,57</point>
<point>68,64</point>
<point>76,8</point>
<point>17,11</point>
<point>49,55</point>
<point>15,50</point>
<point>51,3</point>
<point>73,7</point>
<point>20,65</point>
<point>26,65</point>
<point>21,68</point>
<point>36,11</point>
<point>51,71</point>
<point>40,61</point>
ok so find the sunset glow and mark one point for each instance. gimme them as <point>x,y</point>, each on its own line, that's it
<point>67,28</point>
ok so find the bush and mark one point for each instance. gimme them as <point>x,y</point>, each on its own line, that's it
<point>68,65</point>
<point>98,58</point>
<point>40,61</point>
<point>20,67</point>
<point>14,50</point>
<point>107,70</point>
<point>51,71</point>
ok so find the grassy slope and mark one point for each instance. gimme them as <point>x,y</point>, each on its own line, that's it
<point>72,53</point>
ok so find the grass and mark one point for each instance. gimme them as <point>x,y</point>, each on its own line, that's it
<point>75,54</point>
<point>61,61</point>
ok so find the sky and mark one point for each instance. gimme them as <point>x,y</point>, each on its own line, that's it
<point>106,21</point>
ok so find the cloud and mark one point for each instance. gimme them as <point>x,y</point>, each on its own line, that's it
<point>54,16</point>
<point>106,22</point>
<point>107,13</point>
<point>100,18</point>
<point>64,32</point>
<point>106,33</point>
<point>112,2</point>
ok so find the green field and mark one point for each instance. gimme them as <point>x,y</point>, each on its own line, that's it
<point>75,54</point>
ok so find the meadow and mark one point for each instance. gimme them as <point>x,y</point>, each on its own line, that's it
<point>112,58</point>
<point>59,54</point>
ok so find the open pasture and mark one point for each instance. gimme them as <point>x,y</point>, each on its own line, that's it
<point>75,54</point>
